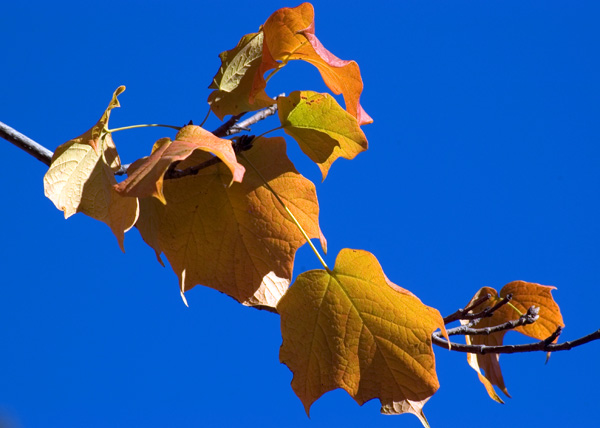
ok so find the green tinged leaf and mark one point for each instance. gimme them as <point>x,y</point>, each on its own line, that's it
<point>322,128</point>
<point>233,82</point>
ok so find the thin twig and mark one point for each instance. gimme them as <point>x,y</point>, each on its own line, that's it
<point>461,312</point>
<point>528,318</point>
<point>25,143</point>
<point>544,345</point>
<point>222,131</point>
<point>489,311</point>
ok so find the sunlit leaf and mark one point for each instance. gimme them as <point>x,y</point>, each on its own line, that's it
<point>349,328</point>
<point>146,176</point>
<point>81,178</point>
<point>323,129</point>
<point>238,239</point>
<point>233,82</point>
<point>289,35</point>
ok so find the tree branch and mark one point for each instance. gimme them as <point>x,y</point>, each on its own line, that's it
<point>530,317</point>
<point>462,312</point>
<point>25,143</point>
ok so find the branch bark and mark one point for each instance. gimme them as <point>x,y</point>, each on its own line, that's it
<point>25,143</point>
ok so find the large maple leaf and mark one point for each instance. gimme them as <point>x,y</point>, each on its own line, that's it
<point>238,239</point>
<point>524,295</point>
<point>289,34</point>
<point>81,178</point>
<point>352,328</point>
<point>322,128</point>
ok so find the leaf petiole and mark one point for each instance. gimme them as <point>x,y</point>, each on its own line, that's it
<point>145,125</point>
<point>296,222</point>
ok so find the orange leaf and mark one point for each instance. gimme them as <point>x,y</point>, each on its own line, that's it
<point>233,82</point>
<point>239,239</point>
<point>524,295</point>
<point>321,127</point>
<point>146,177</point>
<point>81,178</point>
<point>289,34</point>
<point>351,329</point>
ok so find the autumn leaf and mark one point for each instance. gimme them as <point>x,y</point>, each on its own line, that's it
<point>146,177</point>
<point>81,178</point>
<point>524,295</point>
<point>233,82</point>
<point>322,128</point>
<point>239,239</point>
<point>289,34</point>
<point>351,329</point>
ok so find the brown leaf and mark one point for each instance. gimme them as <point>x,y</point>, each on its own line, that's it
<point>289,34</point>
<point>146,176</point>
<point>81,178</point>
<point>524,295</point>
<point>239,239</point>
<point>350,328</point>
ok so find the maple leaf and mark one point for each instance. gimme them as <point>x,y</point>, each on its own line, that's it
<point>233,82</point>
<point>351,328</point>
<point>289,34</point>
<point>322,128</point>
<point>524,295</point>
<point>239,239</point>
<point>146,176</point>
<point>81,178</point>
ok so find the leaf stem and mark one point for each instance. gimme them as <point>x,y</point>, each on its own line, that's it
<point>206,118</point>
<point>145,125</point>
<point>296,222</point>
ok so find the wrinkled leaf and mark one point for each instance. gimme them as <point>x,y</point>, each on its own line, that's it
<point>525,295</point>
<point>322,128</point>
<point>289,35</point>
<point>146,176</point>
<point>81,178</point>
<point>233,82</point>
<point>349,328</point>
<point>239,239</point>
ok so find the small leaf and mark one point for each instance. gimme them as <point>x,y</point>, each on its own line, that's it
<point>81,178</point>
<point>524,296</point>
<point>289,35</point>
<point>146,176</point>
<point>233,82</point>
<point>238,240</point>
<point>322,128</point>
<point>351,329</point>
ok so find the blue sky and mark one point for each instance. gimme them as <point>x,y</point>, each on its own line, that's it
<point>483,168</point>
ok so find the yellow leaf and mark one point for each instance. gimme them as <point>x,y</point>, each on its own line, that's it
<point>81,178</point>
<point>239,239</point>
<point>146,176</point>
<point>321,127</point>
<point>524,296</point>
<point>233,82</point>
<point>289,35</point>
<point>349,328</point>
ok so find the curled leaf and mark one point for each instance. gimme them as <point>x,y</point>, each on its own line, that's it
<point>233,82</point>
<point>146,176</point>
<point>289,34</point>
<point>81,178</point>
<point>524,296</point>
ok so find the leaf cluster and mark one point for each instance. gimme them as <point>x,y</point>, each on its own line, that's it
<point>230,214</point>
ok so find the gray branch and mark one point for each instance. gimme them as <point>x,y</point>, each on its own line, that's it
<point>25,143</point>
